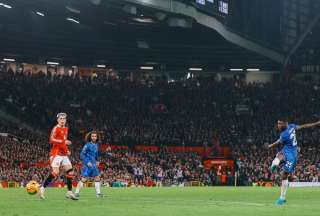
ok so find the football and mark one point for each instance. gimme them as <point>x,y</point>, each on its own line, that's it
<point>32,187</point>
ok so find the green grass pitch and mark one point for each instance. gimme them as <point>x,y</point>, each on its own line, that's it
<point>198,201</point>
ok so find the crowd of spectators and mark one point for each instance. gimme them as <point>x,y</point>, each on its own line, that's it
<point>19,162</point>
<point>254,165</point>
<point>155,112</point>
<point>161,167</point>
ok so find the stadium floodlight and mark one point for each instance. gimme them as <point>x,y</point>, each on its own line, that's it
<point>143,20</point>
<point>9,59</point>
<point>52,63</point>
<point>236,69</point>
<point>253,69</point>
<point>5,5</point>
<point>195,69</point>
<point>73,20</point>
<point>189,75</point>
<point>146,68</point>
<point>101,66</point>
<point>39,13</point>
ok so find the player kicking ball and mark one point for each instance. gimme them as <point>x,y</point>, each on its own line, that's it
<point>288,155</point>
<point>89,157</point>
<point>59,156</point>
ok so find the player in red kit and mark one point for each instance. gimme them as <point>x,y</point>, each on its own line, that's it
<point>59,156</point>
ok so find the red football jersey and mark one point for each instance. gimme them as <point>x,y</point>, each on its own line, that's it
<point>58,138</point>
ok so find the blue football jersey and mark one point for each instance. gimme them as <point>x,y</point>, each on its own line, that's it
<point>90,153</point>
<point>288,138</point>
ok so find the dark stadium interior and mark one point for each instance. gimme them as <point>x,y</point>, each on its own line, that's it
<point>176,99</point>
<point>107,34</point>
<point>309,53</point>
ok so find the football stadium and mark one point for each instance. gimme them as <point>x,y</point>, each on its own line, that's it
<point>159,107</point>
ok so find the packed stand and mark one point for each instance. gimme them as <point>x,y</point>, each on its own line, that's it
<point>155,112</point>
<point>19,160</point>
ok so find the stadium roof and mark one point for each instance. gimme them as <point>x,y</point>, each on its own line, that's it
<point>309,51</point>
<point>91,32</point>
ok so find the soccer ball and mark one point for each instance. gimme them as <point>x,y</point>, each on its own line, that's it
<point>33,187</point>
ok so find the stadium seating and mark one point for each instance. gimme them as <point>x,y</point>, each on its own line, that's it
<point>157,113</point>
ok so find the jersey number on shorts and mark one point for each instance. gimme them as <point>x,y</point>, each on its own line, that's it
<point>289,164</point>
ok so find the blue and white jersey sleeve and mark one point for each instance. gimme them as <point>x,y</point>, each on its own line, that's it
<point>97,153</point>
<point>293,126</point>
<point>288,135</point>
<point>283,137</point>
<point>84,152</point>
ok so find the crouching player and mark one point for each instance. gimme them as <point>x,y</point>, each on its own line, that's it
<point>89,157</point>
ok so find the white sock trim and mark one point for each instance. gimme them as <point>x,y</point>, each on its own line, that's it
<point>97,186</point>
<point>284,188</point>
<point>42,189</point>
<point>79,186</point>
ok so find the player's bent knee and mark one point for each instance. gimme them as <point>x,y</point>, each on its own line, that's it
<point>69,174</point>
<point>68,167</point>
<point>97,179</point>
<point>280,156</point>
<point>284,175</point>
<point>56,170</point>
<point>55,174</point>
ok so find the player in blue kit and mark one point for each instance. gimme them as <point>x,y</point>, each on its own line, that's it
<point>288,155</point>
<point>89,157</point>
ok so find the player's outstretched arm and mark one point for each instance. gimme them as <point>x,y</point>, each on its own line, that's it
<point>310,125</point>
<point>274,144</point>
